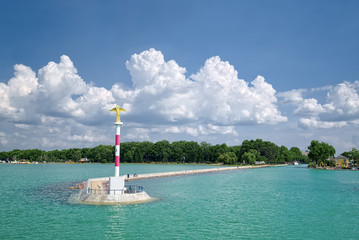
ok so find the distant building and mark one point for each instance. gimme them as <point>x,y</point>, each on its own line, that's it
<point>259,163</point>
<point>341,162</point>
<point>305,153</point>
<point>84,160</point>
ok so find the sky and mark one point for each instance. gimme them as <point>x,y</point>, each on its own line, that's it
<point>214,71</point>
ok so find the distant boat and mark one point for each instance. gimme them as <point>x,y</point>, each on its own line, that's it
<point>295,163</point>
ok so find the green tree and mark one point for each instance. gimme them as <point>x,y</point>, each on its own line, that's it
<point>355,155</point>
<point>270,151</point>
<point>284,155</point>
<point>249,158</point>
<point>352,155</point>
<point>160,151</point>
<point>255,152</point>
<point>320,152</point>
<point>131,152</point>
<point>178,153</point>
<point>14,154</point>
<point>206,151</point>
<point>37,155</point>
<point>85,152</point>
<point>193,152</point>
<point>145,147</point>
<point>74,154</point>
<point>332,163</point>
<point>296,153</point>
<point>248,145</point>
<point>56,155</point>
<point>266,151</point>
<point>138,152</point>
<point>311,165</point>
<point>128,156</point>
<point>236,150</point>
<point>217,150</point>
<point>3,155</point>
<point>228,158</point>
<point>102,153</point>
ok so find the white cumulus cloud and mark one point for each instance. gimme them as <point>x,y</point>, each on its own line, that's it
<point>345,99</point>
<point>212,95</point>
<point>223,98</point>
<point>310,106</point>
<point>294,96</point>
<point>57,102</point>
<point>316,123</point>
<point>340,109</point>
<point>15,96</point>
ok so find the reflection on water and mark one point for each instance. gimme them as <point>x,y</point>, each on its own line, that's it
<point>115,222</point>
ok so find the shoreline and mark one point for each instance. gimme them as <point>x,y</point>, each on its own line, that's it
<point>150,163</point>
<point>335,169</point>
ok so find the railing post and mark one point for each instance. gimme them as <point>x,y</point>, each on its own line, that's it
<point>129,189</point>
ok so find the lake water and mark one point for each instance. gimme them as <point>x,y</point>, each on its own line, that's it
<point>290,202</point>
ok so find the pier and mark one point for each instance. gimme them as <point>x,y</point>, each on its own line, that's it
<point>132,177</point>
<point>98,191</point>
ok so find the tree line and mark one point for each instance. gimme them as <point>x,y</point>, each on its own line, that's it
<point>163,151</point>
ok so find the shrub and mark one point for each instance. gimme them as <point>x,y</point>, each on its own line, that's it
<point>312,165</point>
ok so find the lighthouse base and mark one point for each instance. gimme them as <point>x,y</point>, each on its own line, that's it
<point>117,185</point>
<point>97,191</point>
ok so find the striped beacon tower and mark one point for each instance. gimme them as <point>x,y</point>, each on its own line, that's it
<point>117,149</point>
<point>117,182</point>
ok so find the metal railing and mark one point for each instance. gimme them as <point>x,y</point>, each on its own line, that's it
<point>95,191</point>
<point>133,189</point>
<point>116,191</point>
<point>127,190</point>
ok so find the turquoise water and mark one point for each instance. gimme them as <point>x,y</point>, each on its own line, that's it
<point>269,203</point>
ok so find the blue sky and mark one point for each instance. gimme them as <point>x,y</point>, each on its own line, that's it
<point>171,63</point>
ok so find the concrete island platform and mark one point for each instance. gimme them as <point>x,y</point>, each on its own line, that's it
<point>98,191</point>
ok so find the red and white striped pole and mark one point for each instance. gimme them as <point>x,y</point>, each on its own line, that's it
<point>117,149</point>
<point>118,124</point>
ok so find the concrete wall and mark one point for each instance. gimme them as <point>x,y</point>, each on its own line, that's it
<point>89,198</point>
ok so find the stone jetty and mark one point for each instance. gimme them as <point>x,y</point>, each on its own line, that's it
<point>132,177</point>
<point>97,191</point>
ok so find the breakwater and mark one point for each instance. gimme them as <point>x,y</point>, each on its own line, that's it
<point>132,177</point>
